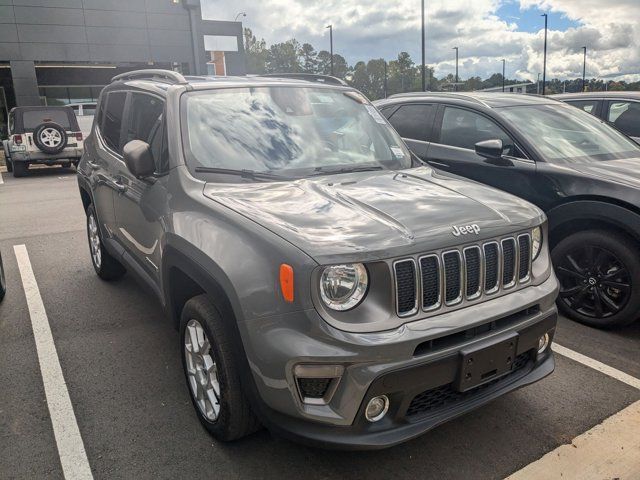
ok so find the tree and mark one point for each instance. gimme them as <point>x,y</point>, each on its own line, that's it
<point>255,53</point>
<point>340,66</point>
<point>283,57</point>
<point>308,58</point>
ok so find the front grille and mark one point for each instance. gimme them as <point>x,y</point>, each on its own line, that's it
<point>313,387</point>
<point>406,291</point>
<point>465,273</point>
<point>446,396</point>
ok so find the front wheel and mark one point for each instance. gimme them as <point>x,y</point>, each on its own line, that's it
<point>599,274</point>
<point>9,165</point>
<point>107,267</point>
<point>212,372</point>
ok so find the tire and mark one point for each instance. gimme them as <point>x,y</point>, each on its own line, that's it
<point>20,169</point>
<point>234,418</point>
<point>50,138</point>
<point>9,165</point>
<point>599,274</point>
<point>107,267</point>
<point>3,282</point>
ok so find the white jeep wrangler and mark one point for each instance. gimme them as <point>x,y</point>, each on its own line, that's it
<point>44,135</point>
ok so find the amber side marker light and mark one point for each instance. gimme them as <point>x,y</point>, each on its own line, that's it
<point>286,282</point>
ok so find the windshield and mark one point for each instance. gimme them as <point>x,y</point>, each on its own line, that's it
<point>289,131</point>
<point>563,132</point>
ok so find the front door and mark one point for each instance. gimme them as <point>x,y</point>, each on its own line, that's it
<point>142,203</point>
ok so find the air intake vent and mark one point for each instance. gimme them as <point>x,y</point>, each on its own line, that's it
<point>509,259</point>
<point>491,267</point>
<point>406,287</point>
<point>472,269</point>
<point>453,284</point>
<point>524,243</point>
<point>430,274</point>
<point>313,387</point>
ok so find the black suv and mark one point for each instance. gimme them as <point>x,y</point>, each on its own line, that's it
<point>583,173</point>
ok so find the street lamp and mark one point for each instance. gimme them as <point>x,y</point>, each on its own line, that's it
<point>584,69</point>
<point>456,84</point>
<point>538,84</point>
<point>503,68</point>
<point>544,65</point>
<point>330,27</point>
<point>241,14</point>
<point>424,78</point>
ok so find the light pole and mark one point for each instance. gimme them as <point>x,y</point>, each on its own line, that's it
<point>584,69</point>
<point>544,64</point>
<point>385,79</point>
<point>424,76</point>
<point>330,27</point>
<point>538,85</point>
<point>241,14</point>
<point>456,84</point>
<point>503,69</point>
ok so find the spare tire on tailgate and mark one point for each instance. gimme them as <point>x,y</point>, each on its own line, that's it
<point>50,137</point>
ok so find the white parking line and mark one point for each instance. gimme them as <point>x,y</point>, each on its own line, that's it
<point>596,365</point>
<point>73,457</point>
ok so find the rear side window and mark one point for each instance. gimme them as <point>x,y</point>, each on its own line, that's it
<point>463,129</point>
<point>32,118</point>
<point>588,106</point>
<point>625,116</point>
<point>413,121</point>
<point>112,120</point>
<point>145,122</point>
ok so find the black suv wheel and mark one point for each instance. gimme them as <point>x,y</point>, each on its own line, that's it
<point>599,274</point>
<point>212,373</point>
<point>107,267</point>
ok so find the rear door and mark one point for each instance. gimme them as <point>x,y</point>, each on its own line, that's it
<point>625,116</point>
<point>456,132</point>
<point>413,122</point>
<point>140,206</point>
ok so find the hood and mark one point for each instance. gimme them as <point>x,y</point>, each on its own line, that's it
<point>625,171</point>
<point>374,215</point>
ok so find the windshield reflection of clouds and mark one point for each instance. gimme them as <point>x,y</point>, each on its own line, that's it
<point>280,128</point>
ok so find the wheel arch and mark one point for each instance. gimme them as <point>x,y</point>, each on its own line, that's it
<point>593,213</point>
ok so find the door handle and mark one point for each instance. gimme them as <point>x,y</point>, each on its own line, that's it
<point>93,165</point>
<point>117,186</point>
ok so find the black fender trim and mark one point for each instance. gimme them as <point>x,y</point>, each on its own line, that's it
<point>623,218</point>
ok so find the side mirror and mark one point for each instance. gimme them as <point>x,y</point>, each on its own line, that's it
<point>490,149</point>
<point>138,158</point>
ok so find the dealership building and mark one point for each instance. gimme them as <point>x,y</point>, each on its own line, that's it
<point>56,52</point>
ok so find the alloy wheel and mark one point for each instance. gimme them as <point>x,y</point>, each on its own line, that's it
<point>50,137</point>
<point>94,241</point>
<point>593,281</point>
<point>202,370</point>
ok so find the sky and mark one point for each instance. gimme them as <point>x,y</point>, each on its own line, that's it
<point>486,31</point>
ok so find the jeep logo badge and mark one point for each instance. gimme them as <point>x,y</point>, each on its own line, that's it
<point>458,230</point>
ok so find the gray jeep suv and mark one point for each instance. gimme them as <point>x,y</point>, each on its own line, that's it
<point>325,282</point>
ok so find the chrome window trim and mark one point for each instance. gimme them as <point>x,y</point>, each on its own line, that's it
<point>438,304</point>
<point>414,310</point>
<point>516,263</point>
<point>495,289</point>
<point>478,293</point>
<point>463,283</point>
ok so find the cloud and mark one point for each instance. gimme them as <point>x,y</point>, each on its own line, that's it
<point>365,29</point>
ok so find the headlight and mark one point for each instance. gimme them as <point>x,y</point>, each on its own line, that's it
<point>342,287</point>
<point>536,242</point>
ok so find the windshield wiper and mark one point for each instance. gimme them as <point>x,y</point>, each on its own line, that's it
<point>244,173</point>
<point>331,171</point>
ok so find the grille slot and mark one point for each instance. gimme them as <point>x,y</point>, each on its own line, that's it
<point>472,270</point>
<point>313,387</point>
<point>524,245</point>
<point>509,262</point>
<point>430,275</point>
<point>491,267</point>
<point>452,277</point>
<point>406,287</point>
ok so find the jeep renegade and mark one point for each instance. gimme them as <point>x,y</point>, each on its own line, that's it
<point>325,282</point>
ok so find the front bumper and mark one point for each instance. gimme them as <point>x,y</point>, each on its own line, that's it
<point>416,366</point>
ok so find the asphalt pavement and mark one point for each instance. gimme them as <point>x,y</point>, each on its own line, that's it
<point>121,362</point>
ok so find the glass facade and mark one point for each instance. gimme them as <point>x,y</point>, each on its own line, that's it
<point>64,95</point>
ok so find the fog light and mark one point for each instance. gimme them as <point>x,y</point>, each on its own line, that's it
<point>377,408</point>
<point>543,343</point>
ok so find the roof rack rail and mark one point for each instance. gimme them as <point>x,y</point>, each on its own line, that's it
<point>309,77</point>
<point>460,95</point>
<point>151,74</point>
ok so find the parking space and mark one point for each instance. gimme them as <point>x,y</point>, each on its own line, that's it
<point>121,363</point>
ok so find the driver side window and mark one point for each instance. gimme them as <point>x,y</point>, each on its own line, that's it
<point>463,129</point>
